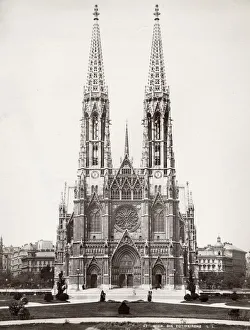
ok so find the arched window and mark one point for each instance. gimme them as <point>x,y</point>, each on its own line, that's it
<point>87,126</point>
<point>157,126</point>
<point>137,192</point>
<point>95,220</point>
<point>95,127</point>
<point>95,154</point>
<point>157,153</point>
<point>126,192</point>
<point>158,217</point>
<point>103,126</point>
<point>115,192</point>
<point>149,127</point>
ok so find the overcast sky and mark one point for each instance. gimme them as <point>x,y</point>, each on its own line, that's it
<point>44,49</point>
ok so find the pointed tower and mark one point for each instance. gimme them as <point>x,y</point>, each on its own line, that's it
<point>95,150</point>
<point>156,108</point>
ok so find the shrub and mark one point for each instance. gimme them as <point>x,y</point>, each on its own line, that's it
<point>203,297</point>
<point>63,296</point>
<point>194,296</point>
<point>24,300</point>
<point>23,313</point>
<point>48,296</point>
<point>17,295</point>
<point>14,307</point>
<point>187,297</point>
<point>234,296</point>
<point>123,308</point>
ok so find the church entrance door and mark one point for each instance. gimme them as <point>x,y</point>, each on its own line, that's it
<point>126,280</point>
<point>122,280</point>
<point>126,267</point>
<point>93,281</point>
<point>130,280</point>
<point>158,280</point>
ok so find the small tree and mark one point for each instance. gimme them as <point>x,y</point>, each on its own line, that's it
<point>191,285</point>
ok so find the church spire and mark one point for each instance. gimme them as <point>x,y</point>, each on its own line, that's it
<point>126,149</point>
<point>95,77</point>
<point>156,76</point>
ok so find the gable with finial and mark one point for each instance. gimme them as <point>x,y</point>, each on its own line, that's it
<point>159,263</point>
<point>158,200</point>
<point>94,202</point>
<point>126,240</point>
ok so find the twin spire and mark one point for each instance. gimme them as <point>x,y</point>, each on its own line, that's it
<point>156,76</point>
<point>95,77</point>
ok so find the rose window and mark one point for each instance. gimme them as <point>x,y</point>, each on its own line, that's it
<point>126,217</point>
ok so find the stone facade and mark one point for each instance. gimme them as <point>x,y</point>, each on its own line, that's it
<point>126,228</point>
<point>224,258</point>
<point>32,257</point>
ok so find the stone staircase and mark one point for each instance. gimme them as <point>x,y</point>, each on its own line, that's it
<point>129,294</point>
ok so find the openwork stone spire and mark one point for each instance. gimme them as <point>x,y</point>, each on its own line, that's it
<point>156,76</point>
<point>95,78</point>
<point>126,149</point>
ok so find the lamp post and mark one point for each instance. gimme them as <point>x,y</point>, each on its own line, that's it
<point>174,270</point>
<point>78,275</point>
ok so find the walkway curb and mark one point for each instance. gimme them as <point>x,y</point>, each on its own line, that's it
<point>157,320</point>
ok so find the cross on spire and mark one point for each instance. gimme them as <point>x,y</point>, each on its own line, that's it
<point>96,13</point>
<point>157,13</point>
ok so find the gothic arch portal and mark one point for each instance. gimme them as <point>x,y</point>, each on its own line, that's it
<point>93,275</point>
<point>126,267</point>
<point>158,274</point>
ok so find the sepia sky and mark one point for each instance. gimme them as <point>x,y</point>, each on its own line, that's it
<point>44,49</point>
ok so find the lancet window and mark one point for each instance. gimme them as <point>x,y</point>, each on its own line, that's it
<point>126,192</point>
<point>158,216</point>
<point>95,220</point>
<point>95,154</point>
<point>95,127</point>
<point>137,193</point>
<point>157,153</point>
<point>157,126</point>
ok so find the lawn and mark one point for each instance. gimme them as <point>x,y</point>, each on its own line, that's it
<point>137,309</point>
<point>121,326</point>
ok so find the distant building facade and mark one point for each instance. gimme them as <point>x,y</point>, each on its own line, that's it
<point>224,258</point>
<point>127,227</point>
<point>32,257</point>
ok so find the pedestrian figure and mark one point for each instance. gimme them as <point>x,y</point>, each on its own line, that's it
<point>102,296</point>
<point>149,296</point>
<point>134,292</point>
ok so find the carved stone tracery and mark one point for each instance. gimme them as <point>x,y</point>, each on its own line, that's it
<point>126,217</point>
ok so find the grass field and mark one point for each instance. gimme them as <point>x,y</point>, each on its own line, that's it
<point>122,326</point>
<point>137,309</point>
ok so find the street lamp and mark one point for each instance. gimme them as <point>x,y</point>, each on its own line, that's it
<point>174,270</point>
<point>78,275</point>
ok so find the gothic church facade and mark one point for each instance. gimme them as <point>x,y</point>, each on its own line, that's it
<point>126,228</point>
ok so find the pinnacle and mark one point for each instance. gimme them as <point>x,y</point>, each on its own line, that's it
<point>95,78</point>
<point>126,150</point>
<point>156,77</point>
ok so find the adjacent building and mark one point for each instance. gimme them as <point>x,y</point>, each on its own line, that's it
<point>224,258</point>
<point>127,226</point>
<point>32,257</point>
